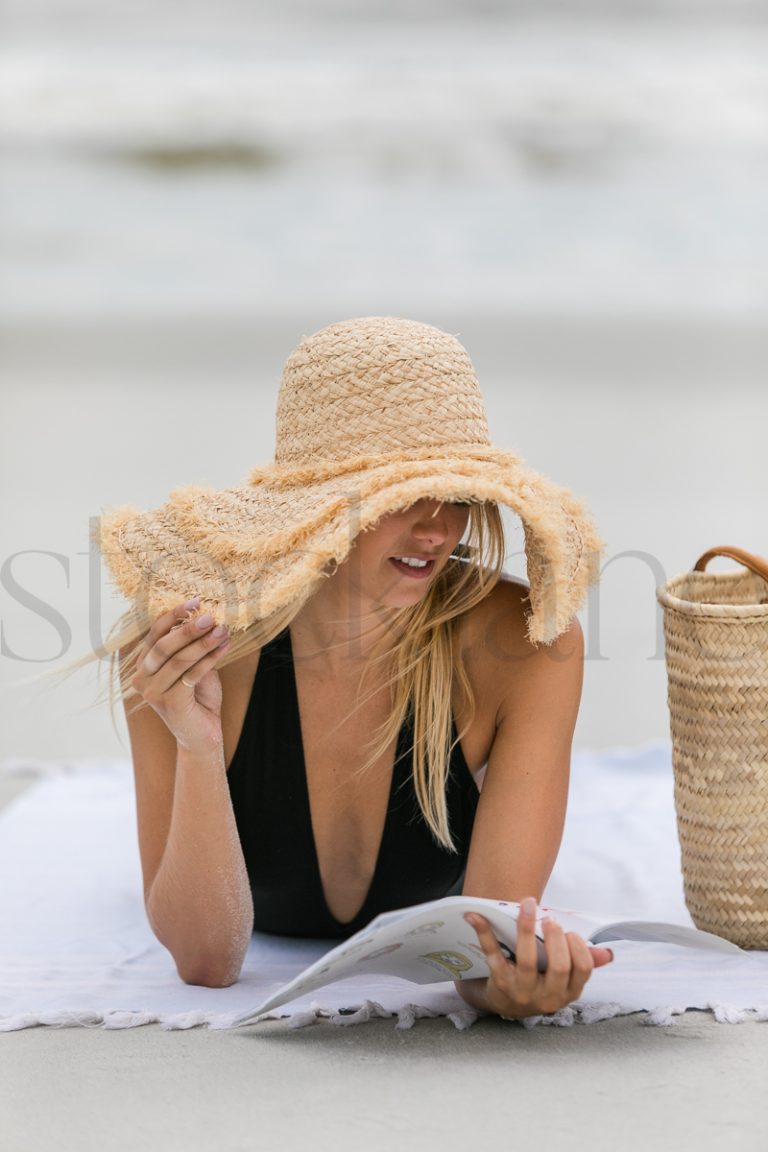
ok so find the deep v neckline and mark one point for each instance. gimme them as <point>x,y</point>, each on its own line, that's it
<point>303,792</point>
<point>270,801</point>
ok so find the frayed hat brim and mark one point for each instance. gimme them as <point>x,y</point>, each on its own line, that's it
<point>251,550</point>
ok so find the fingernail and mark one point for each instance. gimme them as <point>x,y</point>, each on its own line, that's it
<point>205,620</point>
<point>220,630</point>
<point>528,906</point>
<point>193,603</point>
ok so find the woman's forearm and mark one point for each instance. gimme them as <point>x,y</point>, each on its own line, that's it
<point>199,904</point>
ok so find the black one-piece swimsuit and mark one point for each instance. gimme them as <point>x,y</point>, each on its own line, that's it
<point>268,786</point>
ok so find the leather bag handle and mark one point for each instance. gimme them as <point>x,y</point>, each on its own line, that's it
<point>755,564</point>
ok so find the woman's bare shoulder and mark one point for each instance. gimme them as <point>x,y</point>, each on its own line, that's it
<point>497,653</point>
<point>496,628</point>
<point>512,677</point>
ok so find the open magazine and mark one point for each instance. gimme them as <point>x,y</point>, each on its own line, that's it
<point>432,942</point>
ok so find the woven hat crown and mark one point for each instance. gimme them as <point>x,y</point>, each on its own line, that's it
<point>377,386</point>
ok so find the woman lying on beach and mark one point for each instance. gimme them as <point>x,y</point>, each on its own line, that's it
<point>337,702</point>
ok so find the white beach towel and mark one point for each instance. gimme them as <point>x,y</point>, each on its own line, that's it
<point>75,947</point>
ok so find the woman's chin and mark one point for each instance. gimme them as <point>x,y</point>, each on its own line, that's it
<point>404,597</point>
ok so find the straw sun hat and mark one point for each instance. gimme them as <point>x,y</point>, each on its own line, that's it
<point>373,414</point>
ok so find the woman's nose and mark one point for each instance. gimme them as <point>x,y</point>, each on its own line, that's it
<point>431,523</point>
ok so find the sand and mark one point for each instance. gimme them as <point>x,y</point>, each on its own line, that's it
<point>616,1084</point>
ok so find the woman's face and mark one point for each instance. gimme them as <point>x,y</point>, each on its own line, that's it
<point>424,534</point>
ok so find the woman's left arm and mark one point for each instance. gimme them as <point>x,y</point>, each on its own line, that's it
<point>519,825</point>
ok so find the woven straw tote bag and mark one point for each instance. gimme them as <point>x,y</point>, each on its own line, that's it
<point>716,636</point>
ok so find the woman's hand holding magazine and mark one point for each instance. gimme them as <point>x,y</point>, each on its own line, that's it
<point>515,989</point>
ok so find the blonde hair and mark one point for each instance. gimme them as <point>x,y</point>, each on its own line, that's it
<point>425,659</point>
<point>419,669</point>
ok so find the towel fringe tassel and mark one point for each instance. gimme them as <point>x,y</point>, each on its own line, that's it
<point>594,1013</point>
<point>725,1014</point>
<point>406,1017</point>
<point>663,1017</point>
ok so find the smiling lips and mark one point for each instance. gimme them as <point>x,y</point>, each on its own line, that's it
<point>417,568</point>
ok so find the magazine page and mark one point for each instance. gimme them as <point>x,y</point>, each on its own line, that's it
<point>425,944</point>
<point>646,930</point>
<point>601,929</point>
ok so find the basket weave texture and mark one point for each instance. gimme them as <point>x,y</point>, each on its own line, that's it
<point>716,636</point>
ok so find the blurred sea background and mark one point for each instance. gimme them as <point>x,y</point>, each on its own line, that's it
<point>577,189</point>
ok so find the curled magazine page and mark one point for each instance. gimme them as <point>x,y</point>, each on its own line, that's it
<point>426,944</point>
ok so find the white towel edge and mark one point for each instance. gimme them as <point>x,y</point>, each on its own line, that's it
<point>405,1017</point>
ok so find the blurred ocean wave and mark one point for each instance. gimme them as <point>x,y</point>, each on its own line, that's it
<point>197,155</point>
<point>590,86</point>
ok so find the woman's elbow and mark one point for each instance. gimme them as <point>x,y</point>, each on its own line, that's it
<point>209,975</point>
<point>216,965</point>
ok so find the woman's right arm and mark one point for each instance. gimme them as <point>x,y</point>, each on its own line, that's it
<point>196,888</point>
